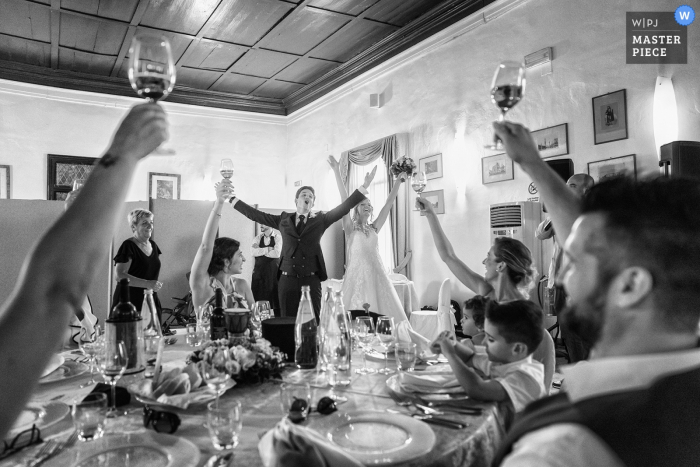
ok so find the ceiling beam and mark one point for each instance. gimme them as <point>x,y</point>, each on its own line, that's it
<point>55,31</point>
<point>135,20</point>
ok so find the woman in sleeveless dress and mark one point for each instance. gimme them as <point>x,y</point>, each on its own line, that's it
<point>217,261</point>
<point>366,280</point>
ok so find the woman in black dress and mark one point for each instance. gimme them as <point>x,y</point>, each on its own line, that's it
<point>267,247</point>
<point>138,260</point>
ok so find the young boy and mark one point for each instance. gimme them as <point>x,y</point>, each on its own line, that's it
<point>513,331</point>
<point>473,319</point>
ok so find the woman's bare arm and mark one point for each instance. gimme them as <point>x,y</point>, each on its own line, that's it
<point>347,221</point>
<point>386,209</point>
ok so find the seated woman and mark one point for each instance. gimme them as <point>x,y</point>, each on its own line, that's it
<point>217,261</point>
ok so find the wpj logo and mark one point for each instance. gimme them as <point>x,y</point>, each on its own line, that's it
<point>658,37</point>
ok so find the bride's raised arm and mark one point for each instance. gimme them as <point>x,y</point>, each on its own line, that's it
<point>384,213</point>
<point>347,221</point>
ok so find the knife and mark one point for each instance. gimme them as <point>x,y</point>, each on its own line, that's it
<point>454,409</point>
<point>440,421</point>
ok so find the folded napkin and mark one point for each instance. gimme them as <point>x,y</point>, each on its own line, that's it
<point>441,380</point>
<point>292,445</point>
<point>122,395</point>
<point>182,401</point>
<point>405,333</point>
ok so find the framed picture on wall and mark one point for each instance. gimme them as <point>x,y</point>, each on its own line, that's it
<point>436,198</point>
<point>163,186</point>
<point>552,141</point>
<point>431,165</point>
<point>496,168</point>
<point>615,167</point>
<point>610,117</point>
<point>63,171</point>
<point>5,181</point>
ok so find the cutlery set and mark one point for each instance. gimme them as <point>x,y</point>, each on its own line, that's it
<point>428,414</point>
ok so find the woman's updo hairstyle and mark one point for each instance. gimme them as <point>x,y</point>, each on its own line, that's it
<point>224,248</point>
<point>518,261</point>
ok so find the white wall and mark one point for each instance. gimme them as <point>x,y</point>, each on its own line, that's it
<point>441,98</point>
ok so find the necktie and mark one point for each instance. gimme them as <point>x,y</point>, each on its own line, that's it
<point>300,225</point>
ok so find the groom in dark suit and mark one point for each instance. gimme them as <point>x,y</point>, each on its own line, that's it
<point>301,261</point>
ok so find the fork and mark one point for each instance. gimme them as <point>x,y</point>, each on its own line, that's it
<point>53,450</point>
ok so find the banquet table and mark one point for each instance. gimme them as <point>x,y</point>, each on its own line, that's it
<point>408,296</point>
<point>472,446</point>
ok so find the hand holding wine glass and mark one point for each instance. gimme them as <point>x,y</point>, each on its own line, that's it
<point>419,182</point>
<point>385,333</point>
<point>507,90</point>
<point>112,363</point>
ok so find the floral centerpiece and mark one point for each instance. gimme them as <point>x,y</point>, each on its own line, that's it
<point>253,359</point>
<point>403,165</point>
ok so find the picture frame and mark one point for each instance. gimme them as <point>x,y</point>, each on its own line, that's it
<point>610,117</point>
<point>552,141</point>
<point>5,181</point>
<point>436,198</point>
<point>62,171</point>
<point>163,186</point>
<point>613,167</point>
<point>496,168</point>
<point>431,165</point>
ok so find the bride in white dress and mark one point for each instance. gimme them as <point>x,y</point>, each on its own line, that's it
<point>366,280</point>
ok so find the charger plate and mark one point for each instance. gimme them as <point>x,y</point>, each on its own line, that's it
<point>139,449</point>
<point>376,438</point>
<point>67,370</point>
<point>42,414</point>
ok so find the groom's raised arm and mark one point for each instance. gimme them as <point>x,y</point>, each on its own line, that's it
<point>253,214</point>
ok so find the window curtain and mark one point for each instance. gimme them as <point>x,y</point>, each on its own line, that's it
<point>388,149</point>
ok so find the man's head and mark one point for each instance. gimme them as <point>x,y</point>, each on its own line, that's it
<point>304,199</point>
<point>513,330</point>
<point>633,255</point>
<point>580,184</point>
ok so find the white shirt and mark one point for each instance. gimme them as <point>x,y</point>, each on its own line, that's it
<point>522,380</point>
<point>275,253</point>
<point>573,445</point>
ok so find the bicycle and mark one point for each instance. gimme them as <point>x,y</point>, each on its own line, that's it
<point>181,315</point>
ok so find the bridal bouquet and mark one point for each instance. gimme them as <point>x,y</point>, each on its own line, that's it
<point>403,165</point>
<point>252,360</point>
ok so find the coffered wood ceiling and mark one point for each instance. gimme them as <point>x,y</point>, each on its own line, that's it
<point>269,56</point>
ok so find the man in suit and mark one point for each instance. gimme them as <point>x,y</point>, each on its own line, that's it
<point>301,261</point>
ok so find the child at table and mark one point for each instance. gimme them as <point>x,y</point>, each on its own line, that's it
<point>473,319</point>
<point>513,331</point>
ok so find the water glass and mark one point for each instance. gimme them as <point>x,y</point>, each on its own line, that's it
<point>191,337</point>
<point>405,356</point>
<point>295,400</point>
<point>89,416</point>
<point>385,334</point>
<point>364,331</point>
<point>225,423</point>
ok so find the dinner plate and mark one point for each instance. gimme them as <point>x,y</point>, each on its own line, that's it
<point>138,449</point>
<point>67,370</point>
<point>393,384</point>
<point>200,395</point>
<point>376,438</point>
<point>41,414</point>
<point>56,361</point>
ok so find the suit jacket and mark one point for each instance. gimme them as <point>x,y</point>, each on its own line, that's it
<point>301,253</point>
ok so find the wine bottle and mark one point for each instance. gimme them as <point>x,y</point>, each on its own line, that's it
<point>218,319</point>
<point>152,332</point>
<point>124,325</point>
<point>324,317</point>
<point>305,333</point>
<point>342,365</point>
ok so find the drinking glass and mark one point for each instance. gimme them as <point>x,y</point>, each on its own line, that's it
<point>364,330</point>
<point>152,71</point>
<point>150,351</point>
<point>419,182</point>
<point>507,89</point>
<point>295,400</point>
<point>405,356</point>
<point>215,369</point>
<point>385,333</point>
<point>333,355</point>
<point>203,314</point>
<point>226,169</point>
<point>264,310</point>
<point>225,423</point>
<point>89,416</point>
<point>112,363</point>
<point>90,349</point>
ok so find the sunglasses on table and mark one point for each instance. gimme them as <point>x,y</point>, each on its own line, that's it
<point>162,422</point>
<point>23,439</point>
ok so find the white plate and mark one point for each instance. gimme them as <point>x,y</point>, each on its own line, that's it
<point>68,369</point>
<point>56,361</point>
<point>393,384</point>
<point>376,438</point>
<point>139,449</point>
<point>43,414</point>
<point>199,395</point>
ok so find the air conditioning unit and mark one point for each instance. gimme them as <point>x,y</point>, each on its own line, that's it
<point>519,220</point>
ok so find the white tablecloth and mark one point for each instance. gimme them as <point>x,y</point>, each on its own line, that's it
<point>407,296</point>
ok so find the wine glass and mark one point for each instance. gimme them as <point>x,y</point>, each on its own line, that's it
<point>226,169</point>
<point>364,330</point>
<point>152,71</point>
<point>385,333</point>
<point>419,182</point>
<point>506,91</point>
<point>112,363</point>
<point>217,361</point>
<point>91,348</point>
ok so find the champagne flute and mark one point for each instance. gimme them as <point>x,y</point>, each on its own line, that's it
<point>152,71</point>
<point>507,89</point>
<point>364,329</point>
<point>385,333</point>
<point>419,182</point>
<point>112,363</point>
<point>217,361</point>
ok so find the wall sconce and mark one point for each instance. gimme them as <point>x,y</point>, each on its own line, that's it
<point>376,100</point>
<point>665,113</point>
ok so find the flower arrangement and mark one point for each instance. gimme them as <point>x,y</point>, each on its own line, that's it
<point>403,165</point>
<point>253,360</point>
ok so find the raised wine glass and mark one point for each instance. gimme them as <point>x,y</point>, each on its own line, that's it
<point>152,71</point>
<point>419,182</point>
<point>226,169</point>
<point>112,363</point>
<point>364,329</point>
<point>385,333</point>
<point>217,362</point>
<point>506,91</point>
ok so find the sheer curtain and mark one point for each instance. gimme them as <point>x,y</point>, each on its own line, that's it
<point>378,192</point>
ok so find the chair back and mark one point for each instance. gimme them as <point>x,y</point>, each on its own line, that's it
<point>446,319</point>
<point>545,354</point>
<point>395,276</point>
